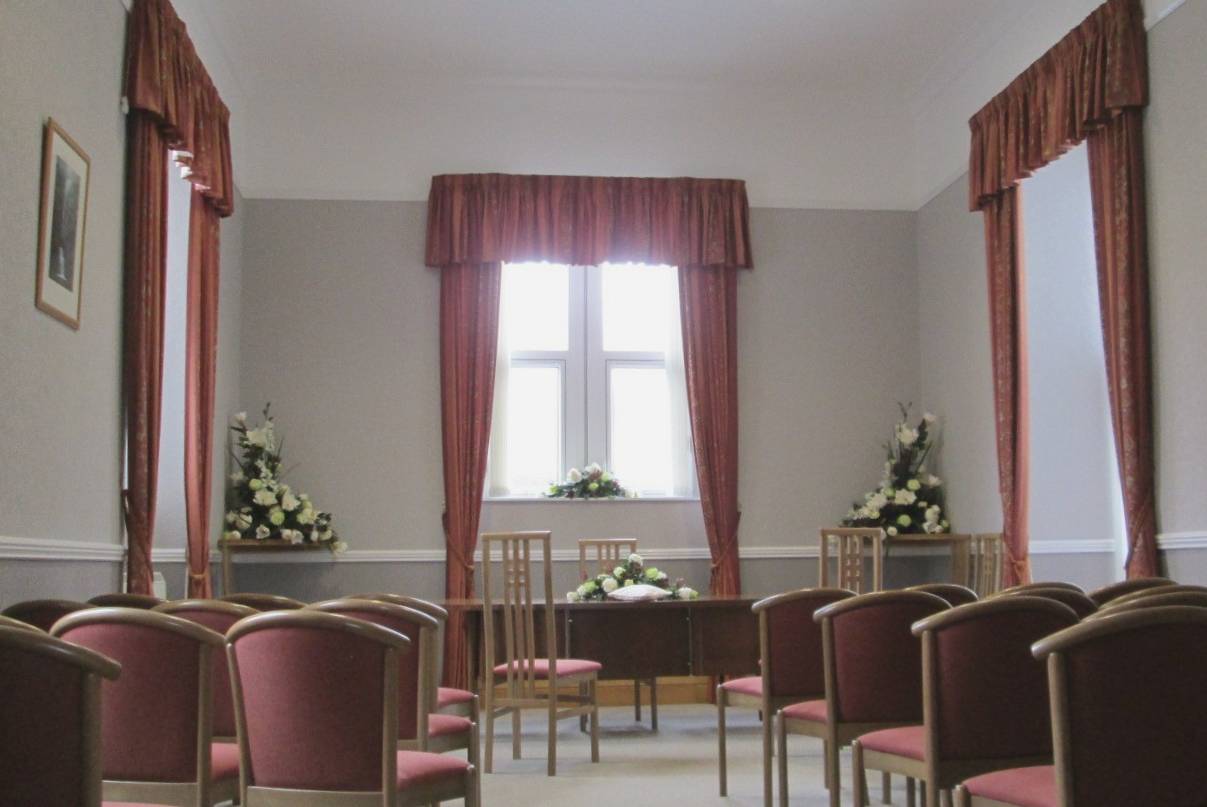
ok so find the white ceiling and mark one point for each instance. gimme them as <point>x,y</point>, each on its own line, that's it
<point>816,103</point>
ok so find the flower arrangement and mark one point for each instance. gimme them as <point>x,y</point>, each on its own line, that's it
<point>259,505</point>
<point>630,573</point>
<point>909,499</point>
<point>592,482</point>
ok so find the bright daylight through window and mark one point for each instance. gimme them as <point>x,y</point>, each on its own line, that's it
<point>590,369</point>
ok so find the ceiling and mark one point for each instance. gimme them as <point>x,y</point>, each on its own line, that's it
<point>816,103</point>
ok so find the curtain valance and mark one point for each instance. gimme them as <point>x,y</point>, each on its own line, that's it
<point>494,218</point>
<point>1097,70</point>
<point>166,80</point>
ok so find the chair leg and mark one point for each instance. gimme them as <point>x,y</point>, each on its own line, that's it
<point>594,692</point>
<point>637,699</point>
<point>654,704</point>
<point>475,753</point>
<point>833,770</point>
<point>922,791</point>
<point>886,788</point>
<point>947,798</point>
<point>934,795</point>
<point>516,732</point>
<point>721,741</point>
<point>768,745</point>
<point>582,719</point>
<point>553,728</point>
<point>962,799</point>
<point>490,733</point>
<point>859,780</point>
<point>781,748</point>
<point>910,797</point>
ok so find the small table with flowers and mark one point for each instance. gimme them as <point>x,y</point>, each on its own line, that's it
<point>959,544</point>
<point>230,547</point>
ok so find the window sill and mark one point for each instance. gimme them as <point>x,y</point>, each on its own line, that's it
<point>547,500</point>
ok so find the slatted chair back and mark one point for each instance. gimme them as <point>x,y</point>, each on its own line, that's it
<point>50,719</point>
<point>985,570</point>
<point>43,613</point>
<point>1082,605</point>
<point>516,590</point>
<point>608,554</point>
<point>125,599</point>
<point>1115,590</point>
<point>437,612</point>
<point>265,602</point>
<point>1127,708</point>
<point>955,594</point>
<point>854,545</point>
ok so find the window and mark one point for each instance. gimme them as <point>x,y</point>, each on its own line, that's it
<point>590,369</point>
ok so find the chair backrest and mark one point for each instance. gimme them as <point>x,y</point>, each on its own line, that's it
<point>985,571</point>
<point>9,622</point>
<point>984,695</point>
<point>1155,591</point>
<point>1160,598</point>
<point>515,591</point>
<point>43,613</point>
<point>417,669</point>
<point>437,612</point>
<point>1082,605</point>
<point>125,600</point>
<point>316,697</point>
<point>219,617</point>
<point>1022,588</point>
<point>854,544</point>
<point>155,719</point>
<point>1128,703</point>
<point>265,602</point>
<point>790,641</point>
<point>609,553</point>
<point>1107,593</point>
<point>873,662</point>
<point>953,593</point>
<point>50,727</point>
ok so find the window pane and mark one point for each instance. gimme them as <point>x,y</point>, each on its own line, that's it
<point>640,428</point>
<point>534,428</point>
<point>636,307</point>
<point>536,297</point>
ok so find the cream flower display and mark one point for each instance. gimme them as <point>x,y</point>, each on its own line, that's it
<point>632,580</point>
<point>592,482</point>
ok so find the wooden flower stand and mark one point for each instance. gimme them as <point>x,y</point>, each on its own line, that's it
<point>249,545</point>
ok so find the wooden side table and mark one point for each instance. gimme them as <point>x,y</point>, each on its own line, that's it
<point>852,541</point>
<point>230,548</point>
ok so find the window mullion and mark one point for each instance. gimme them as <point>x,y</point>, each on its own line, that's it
<point>597,410</point>
<point>576,391</point>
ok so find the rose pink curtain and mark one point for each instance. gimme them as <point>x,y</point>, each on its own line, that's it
<point>1092,85</point>
<point>173,106</point>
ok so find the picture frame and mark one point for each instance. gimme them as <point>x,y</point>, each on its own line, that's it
<point>61,226</point>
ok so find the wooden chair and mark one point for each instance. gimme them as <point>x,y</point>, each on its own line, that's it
<point>43,613</point>
<point>125,600</point>
<point>1023,588</point>
<point>519,667</point>
<point>790,659</point>
<point>449,700</point>
<point>156,719</point>
<point>318,701</point>
<point>8,622</point>
<point>50,719</point>
<point>873,678</point>
<point>1155,591</point>
<point>985,570</point>
<point>1128,711</point>
<point>265,602</point>
<point>608,554</point>
<point>1082,605</point>
<point>1115,590</point>
<point>1160,597</point>
<point>985,704</point>
<point>853,544</point>
<point>219,617</point>
<point>955,594</point>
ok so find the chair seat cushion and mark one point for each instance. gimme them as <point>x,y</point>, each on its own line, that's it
<point>807,710</point>
<point>906,741</point>
<point>419,768</point>
<point>224,761</point>
<point>565,666</point>
<point>448,696</point>
<point>447,725</point>
<point>1026,787</point>
<point>752,685</point>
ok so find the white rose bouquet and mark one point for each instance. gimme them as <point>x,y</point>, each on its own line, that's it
<point>630,573</point>
<point>908,499</point>
<point>592,482</point>
<point>259,504</point>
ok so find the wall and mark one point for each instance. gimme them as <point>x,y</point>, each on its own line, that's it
<point>343,340</point>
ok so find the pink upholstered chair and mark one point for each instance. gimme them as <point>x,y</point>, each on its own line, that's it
<point>156,718</point>
<point>265,602</point>
<point>791,668</point>
<point>955,594</point>
<point>419,727</point>
<point>1156,591</point>
<point>1023,587</point>
<point>43,613</point>
<point>8,622</point>
<point>318,703</point>
<point>1115,590</point>
<point>985,700</point>
<point>873,676</point>
<point>1129,717</point>
<point>449,700</point>
<point>1081,604</point>
<point>218,617</point>
<point>125,600</point>
<point>1158,598</point>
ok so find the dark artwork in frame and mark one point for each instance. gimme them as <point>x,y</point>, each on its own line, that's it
<point>64,207</point>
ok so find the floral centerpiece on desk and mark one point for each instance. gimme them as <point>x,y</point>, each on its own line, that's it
<point>908,500</point>
<point>592,482</point>
<point>259,505</point>
<point>629,574</point>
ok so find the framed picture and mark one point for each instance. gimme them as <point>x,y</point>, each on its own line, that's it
<point>65,169</point>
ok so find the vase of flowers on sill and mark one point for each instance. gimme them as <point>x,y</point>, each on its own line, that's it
<point>592,482</point>
<point>632,581</point>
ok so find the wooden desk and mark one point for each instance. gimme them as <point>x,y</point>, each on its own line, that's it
<point>230,548</point>
<point>715,636</point>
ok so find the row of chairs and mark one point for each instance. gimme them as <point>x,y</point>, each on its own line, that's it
<point>335,703</point>
<point>930,682</point>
